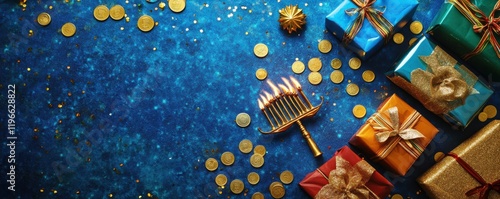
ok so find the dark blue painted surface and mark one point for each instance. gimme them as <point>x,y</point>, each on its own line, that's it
<point>161,113</point>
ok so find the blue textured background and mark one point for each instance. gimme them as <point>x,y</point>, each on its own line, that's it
<point>156,116</point>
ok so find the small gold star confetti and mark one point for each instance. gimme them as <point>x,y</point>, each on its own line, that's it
<point>292,18</point>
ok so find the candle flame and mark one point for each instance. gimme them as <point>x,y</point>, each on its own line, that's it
<point>264,100</point>
<point>295,83</point>
<point>290,87</point>
<point>261,106</point>
<point>273,86</point>
<point>284,89</point>
<point>269,97</point>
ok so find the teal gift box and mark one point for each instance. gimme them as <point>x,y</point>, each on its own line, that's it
<point>440,83</point>
<point>368,40</point>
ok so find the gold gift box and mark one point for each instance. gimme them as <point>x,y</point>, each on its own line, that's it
<point>398,160</point>
<point>447,179</point>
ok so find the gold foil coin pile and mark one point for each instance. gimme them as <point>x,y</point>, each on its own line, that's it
<point>277,190</point>
<point>260,50</point>
<point>243,120</point>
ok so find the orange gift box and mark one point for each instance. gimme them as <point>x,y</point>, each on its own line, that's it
<point>395,135</point>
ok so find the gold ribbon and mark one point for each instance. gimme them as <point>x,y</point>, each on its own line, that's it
<point>446,87</point>
<point>390,131</point>
<point>374,15</point>
<point>347,181</point>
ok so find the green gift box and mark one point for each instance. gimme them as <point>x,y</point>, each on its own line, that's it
<point>454,32</point>
<point>440,83</point>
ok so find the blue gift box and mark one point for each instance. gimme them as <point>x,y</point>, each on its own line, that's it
<point>421,76</point>
<point>368,40</point>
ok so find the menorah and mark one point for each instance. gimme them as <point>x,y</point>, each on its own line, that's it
<point>287,108</point>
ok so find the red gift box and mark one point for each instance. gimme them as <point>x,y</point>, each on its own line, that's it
<point>314,181</point>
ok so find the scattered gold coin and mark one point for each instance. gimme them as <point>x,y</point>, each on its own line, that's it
<point>145,23</point>
<point>43,19</point>
<point>352,89</point>
<point>286,177</point>
<point>260,149</point>
<point>261,74</point>
<point>397,196</point>
<point>277,190</point>
<point>314,64</point>
<point>368,76</point>
<point>236,185</point>
<point>354,63</point>
<point>68,29</point>
<point>482,116</point>
<point>337,76</point>
<point>324,46</point>
<point>336,63</point>
<point>490,110</point>
<point>211,164</point>
<point>253,178</point>
<point>315,78</point>
<point>177,5</point>
<point>359,111</point>
<point>227,158</point>
<point>298,67</point>
<point>257,160</point>
<point>101,13</point>
<point>243,120</point>
<point>221,180</point>
<point>117,12</point>
<point>257,195</point>
<point>260,50</point>
<point>398,38</point>
<point>416,27</point>
<point>412,40</point>
<point>245,146</point>
<point>438,156</point>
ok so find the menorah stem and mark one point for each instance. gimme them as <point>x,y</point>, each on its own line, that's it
<point>312,145</point>
<point>300,103</point>
<point>289,106</point>
<point>267,116</point>
<point>284,107</point>
<point>305,98</point>
<point>277,113</point>
<point>274,117</point>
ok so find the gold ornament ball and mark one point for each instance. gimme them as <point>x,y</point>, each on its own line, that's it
<point>292,18</point>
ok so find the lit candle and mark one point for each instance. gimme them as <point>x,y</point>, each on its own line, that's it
<point>262,108</point>
<point>299,88</point>
<point>277,95</point>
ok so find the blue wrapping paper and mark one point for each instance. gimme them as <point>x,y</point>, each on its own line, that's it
<point>460,116</point>
<point>368,40</point>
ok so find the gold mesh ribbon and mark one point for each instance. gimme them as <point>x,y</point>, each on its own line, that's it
<point>390,131</point>
<point>447,87</point>
<point>374,15</point>
<point>347,181</point>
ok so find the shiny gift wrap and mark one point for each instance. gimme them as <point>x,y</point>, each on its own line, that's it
<point>346,175</point>
<point>395,135</point>
<point>447,179</point>
<point>440,83</point>
<point>369,38</point>
<point>452,30</point>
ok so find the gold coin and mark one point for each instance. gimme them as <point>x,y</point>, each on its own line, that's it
<point>260,50</point>
<point>315,78</point>
<point>336,63</point>
<point>314,64</point>
<point>257,195</point>
<point>482,116</point>
<point>43,19</point>
<point>397,196</point>
<point>337,76</point>
<point>237,186</point>
<point>398,38</point>
<point>355,63</point>
<point>245,146</point>
<point>298,67</point>
<point>101,13</point>
<point>211,164</point>
<point>162,5</point>
<point>324,46</point>
<point>257,160</point>
<point>145,23</point>
<point>490,110</point>
<point>368,76</point>
<point>68,29</point>
<point>261,74</point>
<point>438,156</point>
<point>359,111</point>
<point>227,158</point>
<point>352,89</point>
<point>286,177</point>
<point>260,149</point>
<point>177,5</point>
<point>412,40</point>
<point>416,27</point>
<point>253,178</point>
<point>277,190</point>
<point>243,120</point>
<point>117,12</point>
<point>221,180</point>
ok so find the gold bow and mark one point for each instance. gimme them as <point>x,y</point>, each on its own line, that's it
<point>347,181</point>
